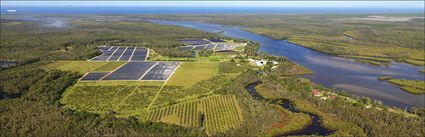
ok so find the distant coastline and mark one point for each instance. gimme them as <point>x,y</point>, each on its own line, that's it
<point>196,10</point>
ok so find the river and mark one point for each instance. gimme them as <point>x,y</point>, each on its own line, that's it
<point>331,71</point>
<point>314,128</point>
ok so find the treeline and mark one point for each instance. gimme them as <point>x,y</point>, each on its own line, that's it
<point>173,52</point>
<point>28,40</point>
<point>16,82</point>
<point>251,49</point>
<point>372,121</point>
<point>38,113</point>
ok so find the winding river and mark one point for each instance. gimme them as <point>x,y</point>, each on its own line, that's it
<point>331,71</point>
<point>314,128</point>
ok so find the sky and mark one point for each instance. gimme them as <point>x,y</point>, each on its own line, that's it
<point>378,4</point>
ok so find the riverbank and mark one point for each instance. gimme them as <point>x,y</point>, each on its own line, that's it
<point>328,70</point>
<point>410,86</point>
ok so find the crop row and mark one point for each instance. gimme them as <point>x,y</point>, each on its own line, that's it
<point>215,114</point>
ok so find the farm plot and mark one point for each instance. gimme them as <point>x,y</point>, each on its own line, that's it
<point>161,71</point>
<point>95,98</point>
<point>216,113</point>
<point>139,99</point>
<point>130,71</point>
<point>172,94</point>
<point>189,73</point>
<point>94,76</point>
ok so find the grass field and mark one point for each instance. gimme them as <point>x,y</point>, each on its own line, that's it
<point>109,66</point>
<point>77,66</point>
<point>230,67</point>
<point>189,73</point>
<point>215,113</point>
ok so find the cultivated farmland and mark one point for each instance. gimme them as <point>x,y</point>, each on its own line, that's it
<point>215,113</point>
<point>172,94</point>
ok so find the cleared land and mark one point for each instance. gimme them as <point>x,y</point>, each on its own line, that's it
<point>215,113</point>
<point>139,99</point>
<point>77,66</point>
<point>230,67</point>
<point>110,66</point>
<point>95,98</point>
<point>172,94</point>
<point>189,73</point>
<point>94,76</point>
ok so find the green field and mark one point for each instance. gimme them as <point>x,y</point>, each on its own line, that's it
<point>76,66</point>
<point>139,99</point>
<point>110,66</point>
<point>220,113</point>
<point>230,67</point>
<point>188,73</point>
<point>172,94</point>
<point>103,97</point>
